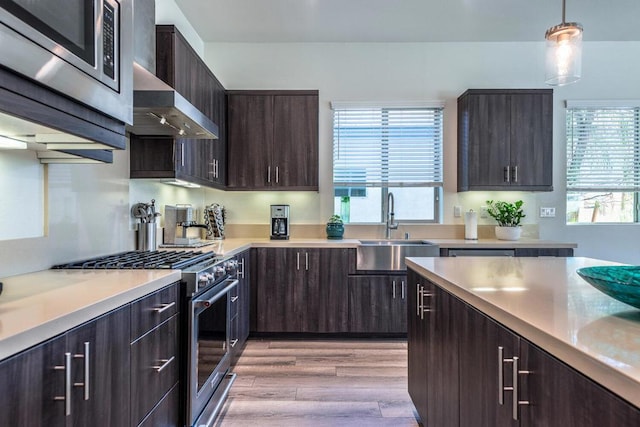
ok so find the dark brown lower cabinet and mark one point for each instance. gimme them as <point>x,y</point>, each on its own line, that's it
<point>301,289</point>
<point>154,368</point>
<point>378,304</point>
<point>433,317</point>
<point>461,372</point>
<point>95,354</point>
<point>240,323</point>
<point>166,413</point>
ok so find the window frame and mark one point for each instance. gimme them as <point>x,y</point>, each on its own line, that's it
<point>585,105</point>
<point>438,186</point>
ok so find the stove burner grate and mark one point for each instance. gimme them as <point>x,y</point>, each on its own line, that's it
<point>141,260</point>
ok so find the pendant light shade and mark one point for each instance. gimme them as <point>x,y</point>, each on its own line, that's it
<point>564,52</point>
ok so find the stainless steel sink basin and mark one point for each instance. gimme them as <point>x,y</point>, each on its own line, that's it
<point>389,255</point>
<point>390,242</point>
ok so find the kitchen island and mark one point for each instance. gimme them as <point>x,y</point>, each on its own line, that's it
<point>481,327</point>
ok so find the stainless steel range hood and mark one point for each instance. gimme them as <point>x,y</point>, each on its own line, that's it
<point>158,109</point>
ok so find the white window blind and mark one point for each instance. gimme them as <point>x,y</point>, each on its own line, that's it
<point>387,146</point>
<point>603,148</point>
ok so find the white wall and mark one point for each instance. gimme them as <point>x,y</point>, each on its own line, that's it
<point>429,71</point>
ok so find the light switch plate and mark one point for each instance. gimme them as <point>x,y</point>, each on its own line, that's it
<point>457,211</point>
<point>483,212</point>
<point>547,212</point>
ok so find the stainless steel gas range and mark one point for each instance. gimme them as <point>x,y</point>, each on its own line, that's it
<point>209,284</point>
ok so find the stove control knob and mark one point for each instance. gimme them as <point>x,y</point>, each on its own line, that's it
<point>231,265</point>
<point>202,280</point>
<point>218,271</point>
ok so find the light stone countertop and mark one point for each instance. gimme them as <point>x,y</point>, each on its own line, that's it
<point>38,306</point>
<point>546,302</point>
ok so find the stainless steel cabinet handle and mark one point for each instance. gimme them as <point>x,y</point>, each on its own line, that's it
<point>516,387</point>
<point>424,310</point>
<point>277,174</point>
<point>241,272</point>
<point>394,289</point>
<point>501,389</point>
<point>269,174</point>
<point>182,153</point>
<point>234,298</point>
<point>85,383</point>
<point>402,288</point>
<point>507,174</point>
<point>233,343</point>
<point>298,260</point>
<point>418,299</point>
<point>515,173</point>
<point>163,307</point>
<point>67,383</point>
<point>165,363</point>
<point>306,260</point>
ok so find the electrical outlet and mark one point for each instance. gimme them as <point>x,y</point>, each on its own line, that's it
<point>483,212</point>
<point>547,212</point>
<point>457,211</point>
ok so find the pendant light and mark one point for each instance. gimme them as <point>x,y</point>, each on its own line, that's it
<point>564,52</point>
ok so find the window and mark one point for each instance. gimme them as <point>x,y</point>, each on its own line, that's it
<point>382,149</point>
<point>603,162</point>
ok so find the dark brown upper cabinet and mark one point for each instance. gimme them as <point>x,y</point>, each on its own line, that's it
<point>200,161</point>
<point>505,139</point>
<point>273,140</point>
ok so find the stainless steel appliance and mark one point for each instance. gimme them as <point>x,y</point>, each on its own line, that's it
<point>81,48</point>
<point>279,222</point>
<point>207,307</point>
<point>180,227</point>
<point>158,109</point>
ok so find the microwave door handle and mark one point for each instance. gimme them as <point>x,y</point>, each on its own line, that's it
<point>206,302</point>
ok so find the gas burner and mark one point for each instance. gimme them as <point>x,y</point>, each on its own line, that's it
<point>173,260</point>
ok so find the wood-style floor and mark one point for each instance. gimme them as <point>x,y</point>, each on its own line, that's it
<point>320,383</point>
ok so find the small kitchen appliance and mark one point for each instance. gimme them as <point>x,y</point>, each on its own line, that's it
<point>279,222</point>
<point>180,227</point>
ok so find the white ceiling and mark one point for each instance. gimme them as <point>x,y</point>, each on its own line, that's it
<point>406,20</point>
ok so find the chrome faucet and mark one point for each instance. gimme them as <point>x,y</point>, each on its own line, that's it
<point>391,224</point>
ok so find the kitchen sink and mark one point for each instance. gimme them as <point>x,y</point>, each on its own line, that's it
<point>390,242</point>
<point>389,254</point>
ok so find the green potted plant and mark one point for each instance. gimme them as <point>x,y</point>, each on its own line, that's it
<point>335,227</point>
<point>508,216</point>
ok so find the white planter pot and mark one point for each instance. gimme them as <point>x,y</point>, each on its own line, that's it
<point>508,233</point>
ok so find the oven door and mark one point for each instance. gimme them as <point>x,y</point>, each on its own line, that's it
<point>209,358</point>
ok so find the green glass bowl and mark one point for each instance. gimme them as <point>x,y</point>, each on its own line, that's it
<point>621,282</point>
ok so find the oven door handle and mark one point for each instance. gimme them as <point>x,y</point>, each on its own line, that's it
<point>204,303</point>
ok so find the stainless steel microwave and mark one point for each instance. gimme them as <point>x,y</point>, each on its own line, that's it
<point>81,48</point>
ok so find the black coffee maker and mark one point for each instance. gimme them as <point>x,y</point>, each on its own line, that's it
<point>279,222</point>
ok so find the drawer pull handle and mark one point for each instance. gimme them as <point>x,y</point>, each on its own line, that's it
<point>84,356</point>
<point>67,383</point>
<point>164,307</point>
<point>233,343</point>
<point>234,299</point>
<point>165,363</point>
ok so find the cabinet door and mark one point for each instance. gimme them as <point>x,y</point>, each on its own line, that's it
<point>483,141</point>
<point>327,303</point>
<point>103,399</point>
<point>278,298</point>
<point>480,338</point>
<point>417,337</point>
<point>561,397</point>
<point>244,293</point>
<point>250,135</point>
<point>29,383</point>
<point>377,304</point>
<point>531,140</point>
<point>444,317</point>
<point>295,141</point>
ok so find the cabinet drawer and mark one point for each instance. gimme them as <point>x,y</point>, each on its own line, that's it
<point>166,414</point>
<point>152,310</point>
<point>154,366</point>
